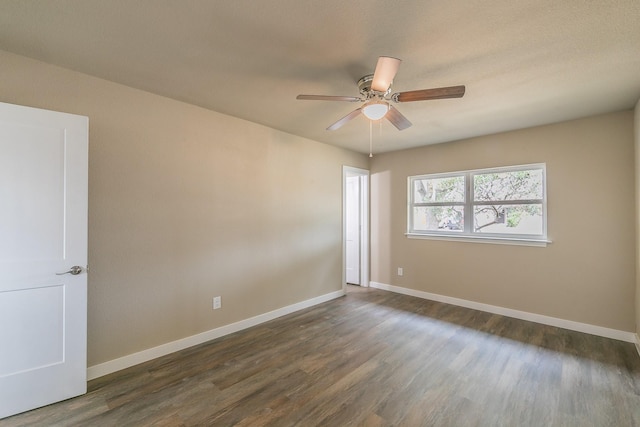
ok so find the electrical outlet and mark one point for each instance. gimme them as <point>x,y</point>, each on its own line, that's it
<point>400,271</point>
<point>217,302</point>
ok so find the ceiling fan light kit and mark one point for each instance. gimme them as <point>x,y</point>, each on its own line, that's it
<point>375,109</point>
<point>375,92</point>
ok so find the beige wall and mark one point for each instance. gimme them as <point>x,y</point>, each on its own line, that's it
<point>636,122</point>
<point>586,275</point>
<point>186,204</point>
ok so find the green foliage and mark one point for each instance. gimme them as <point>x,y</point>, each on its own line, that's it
<point>488,193</point>
<point>517,185</point>
<point>514,217</point>
<point>450,189</point>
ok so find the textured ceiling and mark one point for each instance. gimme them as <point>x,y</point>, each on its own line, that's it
<point>524,63</point>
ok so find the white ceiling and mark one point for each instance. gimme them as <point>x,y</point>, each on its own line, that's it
<point>524,63</point>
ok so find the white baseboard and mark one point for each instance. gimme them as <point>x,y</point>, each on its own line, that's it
<point>517,314</point>
<point>124,362</point>
<point>638,343</point>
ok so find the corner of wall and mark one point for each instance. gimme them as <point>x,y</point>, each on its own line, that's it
<point>636,136</point>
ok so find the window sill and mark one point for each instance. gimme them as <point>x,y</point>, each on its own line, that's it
<point>517,241</point>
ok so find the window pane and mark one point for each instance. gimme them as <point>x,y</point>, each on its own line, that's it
<point>515,185</point>
<point>450,189</point>
<point>443,218</point>
<point>511,219</point>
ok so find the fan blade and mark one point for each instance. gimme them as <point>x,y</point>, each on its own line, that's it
<point>352,115</point>
<point>426,94</point>
<point>386,70</point>
<point>328,98</point>
<point>397,119</point>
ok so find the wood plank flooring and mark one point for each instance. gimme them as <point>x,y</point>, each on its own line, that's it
<point>372,358</point>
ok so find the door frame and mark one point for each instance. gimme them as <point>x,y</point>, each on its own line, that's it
<point>349,171</point>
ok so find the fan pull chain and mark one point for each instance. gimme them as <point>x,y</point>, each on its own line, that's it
<point>370,138</point>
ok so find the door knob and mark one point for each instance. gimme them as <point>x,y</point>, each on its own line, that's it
<point>75,270</point>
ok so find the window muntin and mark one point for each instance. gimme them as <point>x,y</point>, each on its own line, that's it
<point>505,202</point>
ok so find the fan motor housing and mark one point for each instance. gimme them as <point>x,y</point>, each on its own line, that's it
<point>364,86</point>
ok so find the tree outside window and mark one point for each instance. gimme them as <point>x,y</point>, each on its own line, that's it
<point>491,202</point>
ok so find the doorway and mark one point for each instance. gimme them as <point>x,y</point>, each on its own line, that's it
<point>355,220</point>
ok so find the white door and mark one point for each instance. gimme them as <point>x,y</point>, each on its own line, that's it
<point>353,229</point>
<point>43,233</point>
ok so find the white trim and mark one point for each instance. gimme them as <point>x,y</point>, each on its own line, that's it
<point>516,314</point>
<point>124,362</point>
<point>480,239</point>
<point>638,343</point>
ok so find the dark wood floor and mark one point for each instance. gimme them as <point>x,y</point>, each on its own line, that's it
<point>372,358</point>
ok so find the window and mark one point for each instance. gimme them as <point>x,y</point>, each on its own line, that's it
<point>494,204</point>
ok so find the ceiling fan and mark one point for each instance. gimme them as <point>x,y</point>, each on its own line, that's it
<point>375,92</point>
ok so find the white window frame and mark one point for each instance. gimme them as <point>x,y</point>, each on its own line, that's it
<point>468,234</point>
